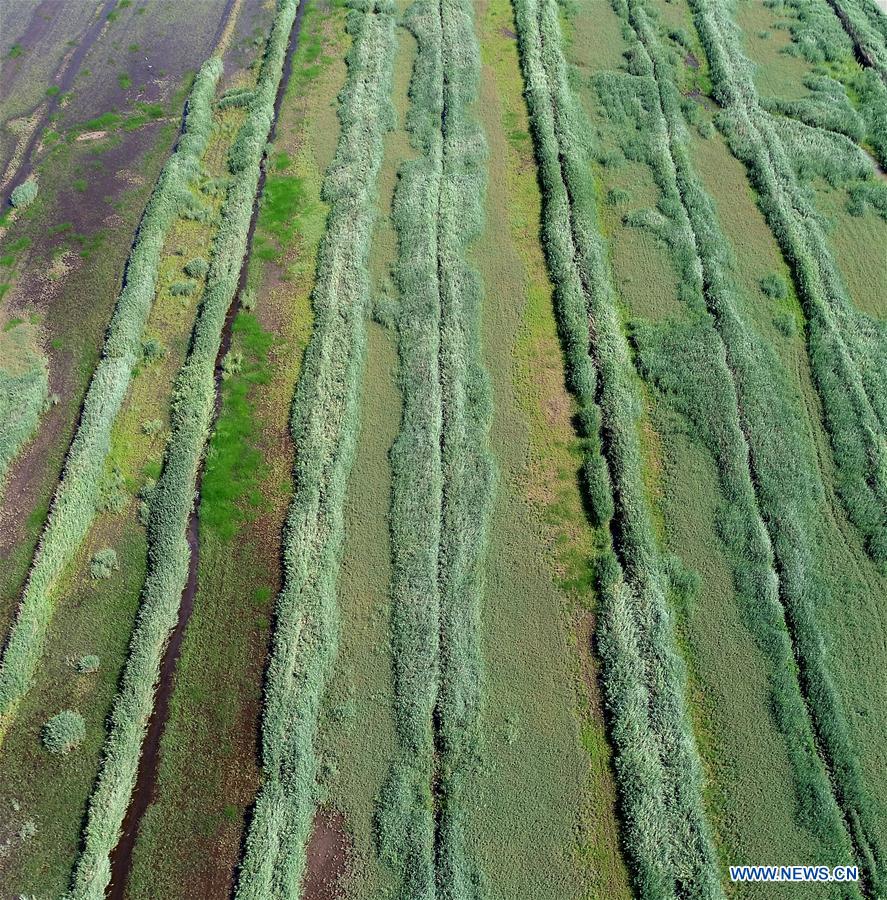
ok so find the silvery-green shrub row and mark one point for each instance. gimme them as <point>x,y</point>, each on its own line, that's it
<point>74,504</point>
<point>847,357</point>
<point>732,386</point>
<point>172,499</point>
<point>324,428</point>
<point>823,32</point>
<point>866,27</point>
<point>664,825</point>
<point>441,468</point>
<point>847,350</point>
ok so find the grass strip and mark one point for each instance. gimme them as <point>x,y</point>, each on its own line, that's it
<point>324,426</point>
<point>24,395</point>
<point>441,466</point>
<point>731,385</point>
<point>848,84</point>
<point>76,497</point>
<point>857,436</point>
<point>848,351</point>
<point>665,831</point>
<point>173,498</point>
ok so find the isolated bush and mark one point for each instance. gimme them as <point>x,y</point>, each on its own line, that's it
<point>64,732</point>
<point>24,193</point>
<point>113,495</point>
<point>88,664</point>
<point>197,267</point>
<point>774,287</point>
<point>152,426</point>
<point>103,564</point>
<point>232,364</point>
<point>152,351</point>
<point>182,288</point>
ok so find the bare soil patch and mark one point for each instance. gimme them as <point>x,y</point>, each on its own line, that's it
<point>329,851</point>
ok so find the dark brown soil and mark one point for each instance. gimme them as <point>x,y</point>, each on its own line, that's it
<point>328,853</point>
<point>691,61</point>
<point>64,80</point>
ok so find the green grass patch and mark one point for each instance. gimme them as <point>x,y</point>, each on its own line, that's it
<point>230,493</point>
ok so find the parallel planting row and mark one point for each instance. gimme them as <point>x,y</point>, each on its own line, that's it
<point>665,831</point>
<point>848,351</point>
<point>847,354</point>
<point>732,387</point>
<point>441,468</point>
<point>324,427</point>
<point>172,499</point>
<point>77,495</point>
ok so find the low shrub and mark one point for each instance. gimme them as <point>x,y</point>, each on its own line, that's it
<point>24,194</point>
<point>64,732</point>
<point>182,288</point>
<point>152,427</point>
<point>197,267</point>
<point>88,664</point>
<point>232,364</point>
<point>152,351</point>
<point>774,287</point>
<point>103,564</point>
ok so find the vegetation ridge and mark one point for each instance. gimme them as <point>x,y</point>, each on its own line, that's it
<point>77,495</point>
<point>173,497</point>
<point>765,465</point>
<point>846,378</point>
<point>324,427</point>
<point>665,830</point>
<point>442,470</point>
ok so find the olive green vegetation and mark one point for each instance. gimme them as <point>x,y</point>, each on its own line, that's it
<point>441,469</point>
<point>24,390</point>
<point>665,831</point>
<point>76,497</point>
<point>209,748</point>
<point>172,499</point>
<point>844,350</point>
<point>324,427</point>
<point>733,389</point>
